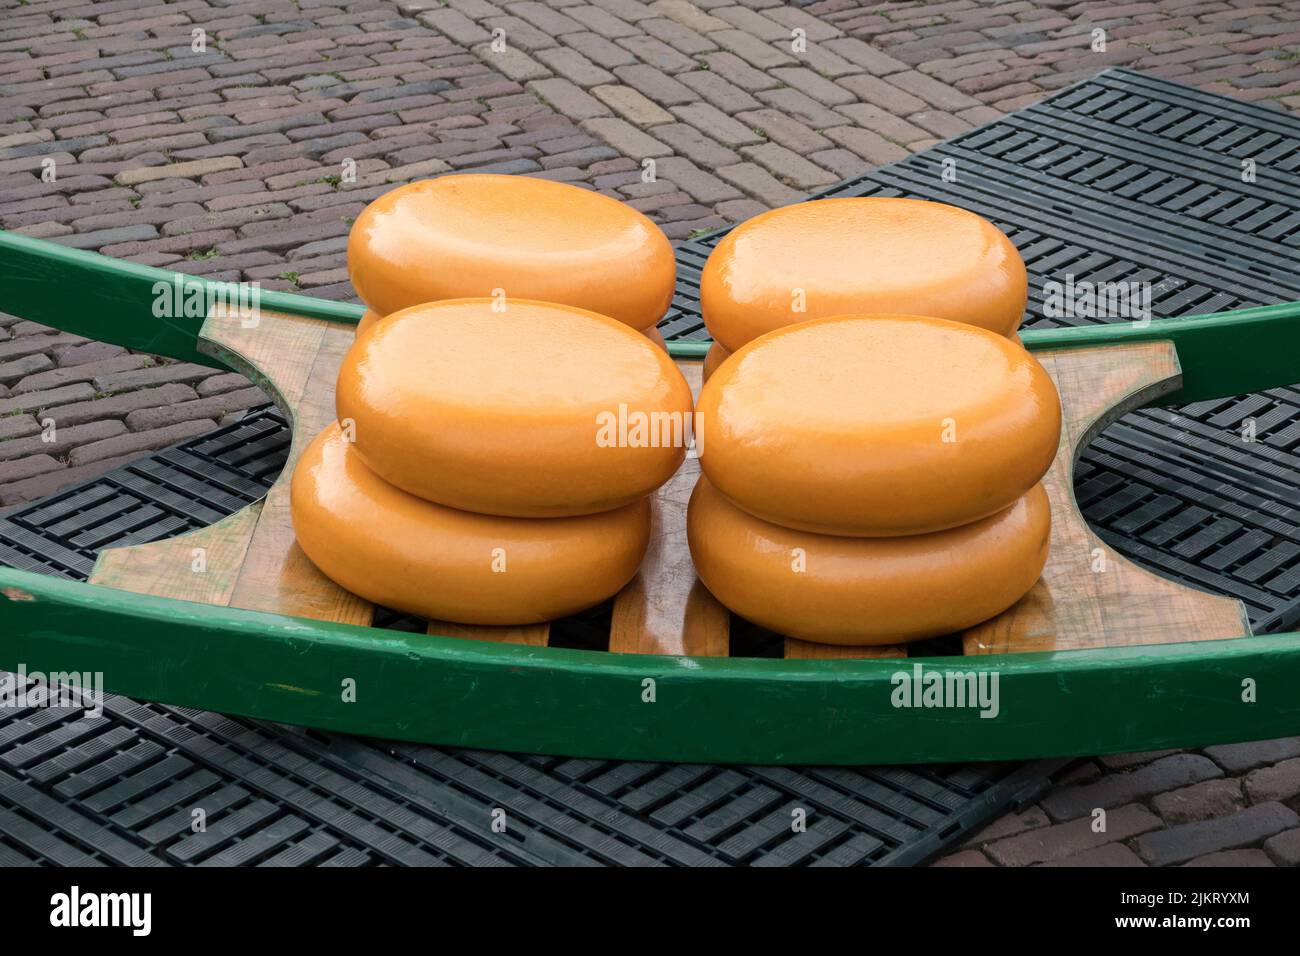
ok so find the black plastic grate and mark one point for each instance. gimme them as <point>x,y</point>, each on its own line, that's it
<point>123,790</point>
<point>1121,178</point>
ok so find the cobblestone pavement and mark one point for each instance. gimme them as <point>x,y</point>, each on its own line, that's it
<point>226,158</point>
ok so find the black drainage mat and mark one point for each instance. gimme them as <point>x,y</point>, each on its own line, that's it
<point>1119,178</point>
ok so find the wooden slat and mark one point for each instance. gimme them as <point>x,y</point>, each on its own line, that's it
<point>1074,605</point>
<point>252,558</point>
<point>276,575</point>
<point>807,650</point>
<point>665,609</point>
<point>533,635</point>
<point>169,568</point>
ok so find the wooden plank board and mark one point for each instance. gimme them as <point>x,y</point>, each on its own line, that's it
<point>276,575</point>
<point>665,609</point>
<point>1089,596</point>
<point>807,650</point>
<point>201,565</point>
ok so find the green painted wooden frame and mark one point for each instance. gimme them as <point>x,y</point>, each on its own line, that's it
<point>453,691</point>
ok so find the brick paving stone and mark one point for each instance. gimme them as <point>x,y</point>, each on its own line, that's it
<point>1278,782</point>
<point>60,440</point>
<point>719,91</point>
<point>1233,858</point>
<point>18,426</point>
<point>1190,840</point>
<point>702,186</point>
<point>964,858</point>
<point>20,468</point>
<point>690,142</point>
<point>214,407</point>
<point>715,123</point>
<point>632,105</point>
<point>1284,848</point>
<point>42,401</point>
<point>760,184</point>
<point>1236,758</point>
<point>183,372</point>
<point>1112,854</point>
<point>788,166</point>
<point>1009,824</point>
<point>1130,760</point>
<point>870,146</point>
<point>190,170</point>
<point>83,372</point>
<point>137,442</point>
<point>1069,839</point>
<point>1200,801</point>
<point>116,406</point>
<point>626,138</point>
<point>19,369</point>
<point>1167,773</point>
<point>217,384</point>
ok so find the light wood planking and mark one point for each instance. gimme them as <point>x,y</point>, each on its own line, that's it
<point>276,575</point>
<point>665,609</point>
<point>1089,596</point>
<point>252,558</point>
<point>200,565</point>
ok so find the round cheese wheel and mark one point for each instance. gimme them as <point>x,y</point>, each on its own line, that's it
<point>514,237</point>
<point>836,256</point>
<point>367,320</point>
<point>878,425</point>
<point>655,336</point>
<point>537,411</point>
<point>411,555</point>
<point>714,357</point>
<point>837,590</point>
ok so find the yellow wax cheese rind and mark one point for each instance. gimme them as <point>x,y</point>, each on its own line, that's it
<point>878,425</point>
<point>367,321</point>
<point>536,411</point>
<point>398,551</point>
<point>839,256</point>
<point>515,237</point>
<point>714,357</point>
<point>867,591</point>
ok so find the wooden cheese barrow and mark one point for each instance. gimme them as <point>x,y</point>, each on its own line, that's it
<point>1102,656</point>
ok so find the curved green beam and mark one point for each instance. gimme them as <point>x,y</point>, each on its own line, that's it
<point>451,691</point>
<point>1223,354</point>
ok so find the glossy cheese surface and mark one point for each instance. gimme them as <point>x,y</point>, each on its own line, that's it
<point>715,356</point>
<point>837,590</point>
<point>839,256</point>
<point>471,235</point>
<point>367,320</point>
<point>398,551</point>
<point>540,410</point>
<point>878,425</point>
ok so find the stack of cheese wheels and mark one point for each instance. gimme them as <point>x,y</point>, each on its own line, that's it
<point>508,237</point>
<point>481,469</point>
<point>841,256</point>
<point>871,479</point>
